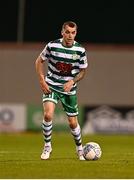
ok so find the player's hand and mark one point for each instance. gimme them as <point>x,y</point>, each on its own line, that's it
<point>45,88</point>
<point>68,85</point>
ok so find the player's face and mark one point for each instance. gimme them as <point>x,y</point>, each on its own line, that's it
<point>68,34</point>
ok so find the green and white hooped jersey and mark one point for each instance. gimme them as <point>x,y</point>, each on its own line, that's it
<point>64,63</point>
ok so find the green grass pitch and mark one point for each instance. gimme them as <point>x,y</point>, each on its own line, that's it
<point>20,157</point>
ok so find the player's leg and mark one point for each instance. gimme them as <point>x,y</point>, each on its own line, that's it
<point>76,132</point>
<point>70,106</point>
<point>48,107</point>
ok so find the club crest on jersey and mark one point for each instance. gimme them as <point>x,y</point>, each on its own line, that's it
<point>75,56</point>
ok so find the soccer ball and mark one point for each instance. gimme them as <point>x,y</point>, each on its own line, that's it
<point>92,151</point>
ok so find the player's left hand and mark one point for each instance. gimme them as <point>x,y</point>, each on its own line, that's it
<point>68,85</point>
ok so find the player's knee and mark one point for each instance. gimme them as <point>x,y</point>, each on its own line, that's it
<point>48,116</point>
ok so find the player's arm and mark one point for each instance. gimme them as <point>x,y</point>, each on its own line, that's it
<point>39,65</point>
<point>77,78</point>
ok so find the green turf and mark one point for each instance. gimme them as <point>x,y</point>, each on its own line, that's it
<point>20,157</point>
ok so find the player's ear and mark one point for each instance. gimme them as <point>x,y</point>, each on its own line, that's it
<point>62,32</point>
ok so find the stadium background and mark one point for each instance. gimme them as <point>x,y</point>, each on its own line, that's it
<point>105,95</point>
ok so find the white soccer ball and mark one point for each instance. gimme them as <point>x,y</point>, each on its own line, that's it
<point>92,151</point>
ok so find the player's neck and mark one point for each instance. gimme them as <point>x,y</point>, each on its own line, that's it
<point>68,45</point>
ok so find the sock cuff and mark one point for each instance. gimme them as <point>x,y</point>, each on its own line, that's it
<point>77,128</point>
<point>47,123</point>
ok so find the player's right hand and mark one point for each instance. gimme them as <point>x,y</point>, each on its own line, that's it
<point>45,88</point>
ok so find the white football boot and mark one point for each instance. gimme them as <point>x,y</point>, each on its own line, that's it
<point>46,152</point>
<point>80,154</point>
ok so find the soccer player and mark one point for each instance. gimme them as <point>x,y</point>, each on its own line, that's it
<point>67,63</point>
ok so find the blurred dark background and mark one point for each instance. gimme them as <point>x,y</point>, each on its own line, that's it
<point>98,21</point>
